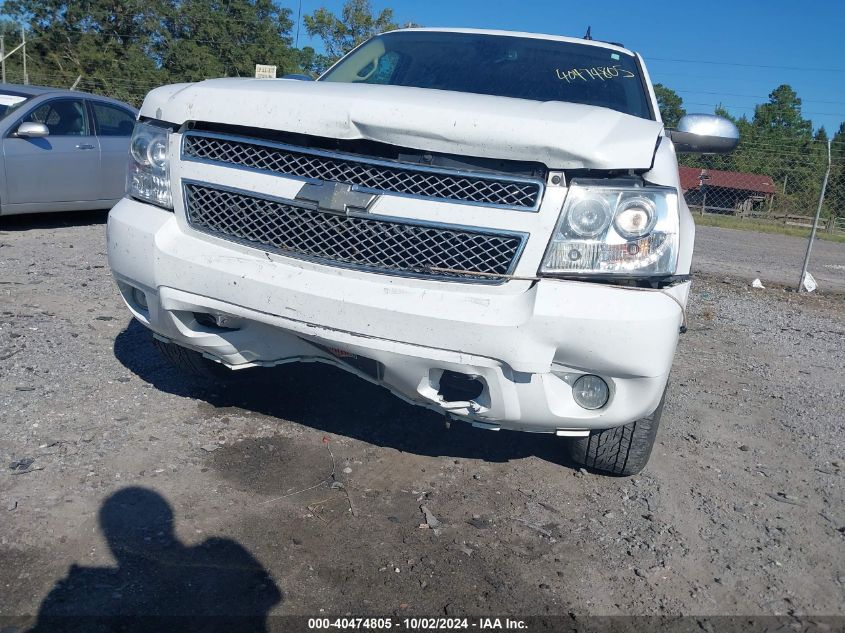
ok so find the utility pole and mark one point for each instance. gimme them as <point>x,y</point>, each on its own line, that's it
<point>298,20</point>
<point>4,55</point>
<point>702,187</point>
<point>23,45</point>
<point>815,221</point>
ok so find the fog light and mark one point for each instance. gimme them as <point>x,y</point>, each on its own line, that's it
<point>140,298</point>
<point>590,392</point>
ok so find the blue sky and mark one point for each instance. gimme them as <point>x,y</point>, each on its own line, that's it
<point>733,53</point>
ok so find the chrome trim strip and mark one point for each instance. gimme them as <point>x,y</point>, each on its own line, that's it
<point>523,237</point>
<point>354,158</point>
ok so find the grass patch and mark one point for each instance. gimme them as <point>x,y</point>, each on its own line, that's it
<point>763,226</point>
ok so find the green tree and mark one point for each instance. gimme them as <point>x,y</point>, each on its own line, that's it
<point>311,62</point>
<point>110,42</point>
<point>224,38</point>
<point>838,145</point>
<point>781,117</point>
<point>839,136</point>
<point>671,105</point>
<point>835,194</point>
<point>779,143</point>
<point>123,48</point>
<point>356,24</point>
<point>11,33</point>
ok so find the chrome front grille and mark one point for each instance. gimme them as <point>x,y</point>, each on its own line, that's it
<point>377,176</point>
<point>371,243</point>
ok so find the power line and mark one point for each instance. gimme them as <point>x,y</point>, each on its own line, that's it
<point>731,94</point>
<point>746,107</point>
<point>743,65</point>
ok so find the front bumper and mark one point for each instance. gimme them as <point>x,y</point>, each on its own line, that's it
<point>525,341</point>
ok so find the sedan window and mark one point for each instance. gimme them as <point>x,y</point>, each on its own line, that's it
<point>112,120</point>
<point>63,117</point>
<point>9,103</point>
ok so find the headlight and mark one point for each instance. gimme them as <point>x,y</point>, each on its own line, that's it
<point>148,175</point>
<point>589,216</point>
<point>635,217</point>
<point>620,231</point>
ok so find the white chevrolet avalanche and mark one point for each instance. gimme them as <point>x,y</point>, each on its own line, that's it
<point>488,224</point>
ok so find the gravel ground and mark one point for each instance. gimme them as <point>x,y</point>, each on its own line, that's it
<point>768,256</point>
<point>122,483</point>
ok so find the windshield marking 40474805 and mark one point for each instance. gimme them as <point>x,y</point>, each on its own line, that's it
<point>603,73</point>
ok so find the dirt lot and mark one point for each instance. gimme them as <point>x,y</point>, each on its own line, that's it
<point>742,510</point>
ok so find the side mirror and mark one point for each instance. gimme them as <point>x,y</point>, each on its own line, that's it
<point>704,134</point>
<point>297,77</point>
<point>29,129</point>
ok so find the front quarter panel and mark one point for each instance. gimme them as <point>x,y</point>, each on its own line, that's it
<point>664,172</point>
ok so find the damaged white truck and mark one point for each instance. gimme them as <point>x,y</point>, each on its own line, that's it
<point>488,224</point>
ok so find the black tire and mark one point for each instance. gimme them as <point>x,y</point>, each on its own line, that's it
<point>193,363</point>
<point>621,451</point>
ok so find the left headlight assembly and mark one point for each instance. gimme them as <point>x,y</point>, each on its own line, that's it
<point>148,173</point>
<point>609,231</point>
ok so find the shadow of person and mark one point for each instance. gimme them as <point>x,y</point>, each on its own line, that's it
<point>159,584</point>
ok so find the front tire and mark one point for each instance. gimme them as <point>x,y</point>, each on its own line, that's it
<point>192,363</point>
<point>621,451</point>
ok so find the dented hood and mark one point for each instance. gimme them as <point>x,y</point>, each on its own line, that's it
<point>560,135</point>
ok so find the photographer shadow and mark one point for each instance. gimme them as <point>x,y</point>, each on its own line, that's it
<point>159,584</point>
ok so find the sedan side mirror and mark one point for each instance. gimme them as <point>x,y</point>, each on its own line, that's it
<point>704,134</point>
<point>30,129</point>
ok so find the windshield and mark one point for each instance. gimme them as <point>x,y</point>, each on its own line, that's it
<point>9,102</point>
<point>506,66</point>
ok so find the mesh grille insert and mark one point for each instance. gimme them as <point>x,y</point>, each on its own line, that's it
<point>500,192</point>
<point>374,244</point>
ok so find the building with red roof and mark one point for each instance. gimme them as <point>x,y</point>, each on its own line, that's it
<point>718,191</point>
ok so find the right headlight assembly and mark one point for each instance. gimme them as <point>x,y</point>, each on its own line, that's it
<point>148,170</point>
<point>614,231</point>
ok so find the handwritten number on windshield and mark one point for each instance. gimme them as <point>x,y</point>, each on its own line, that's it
<point>596,73</point>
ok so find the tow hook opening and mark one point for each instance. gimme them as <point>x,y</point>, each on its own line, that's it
<point>458,387</point>
<point>217,320</point>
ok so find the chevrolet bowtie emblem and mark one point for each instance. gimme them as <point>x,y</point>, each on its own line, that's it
<point>336,197</point>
